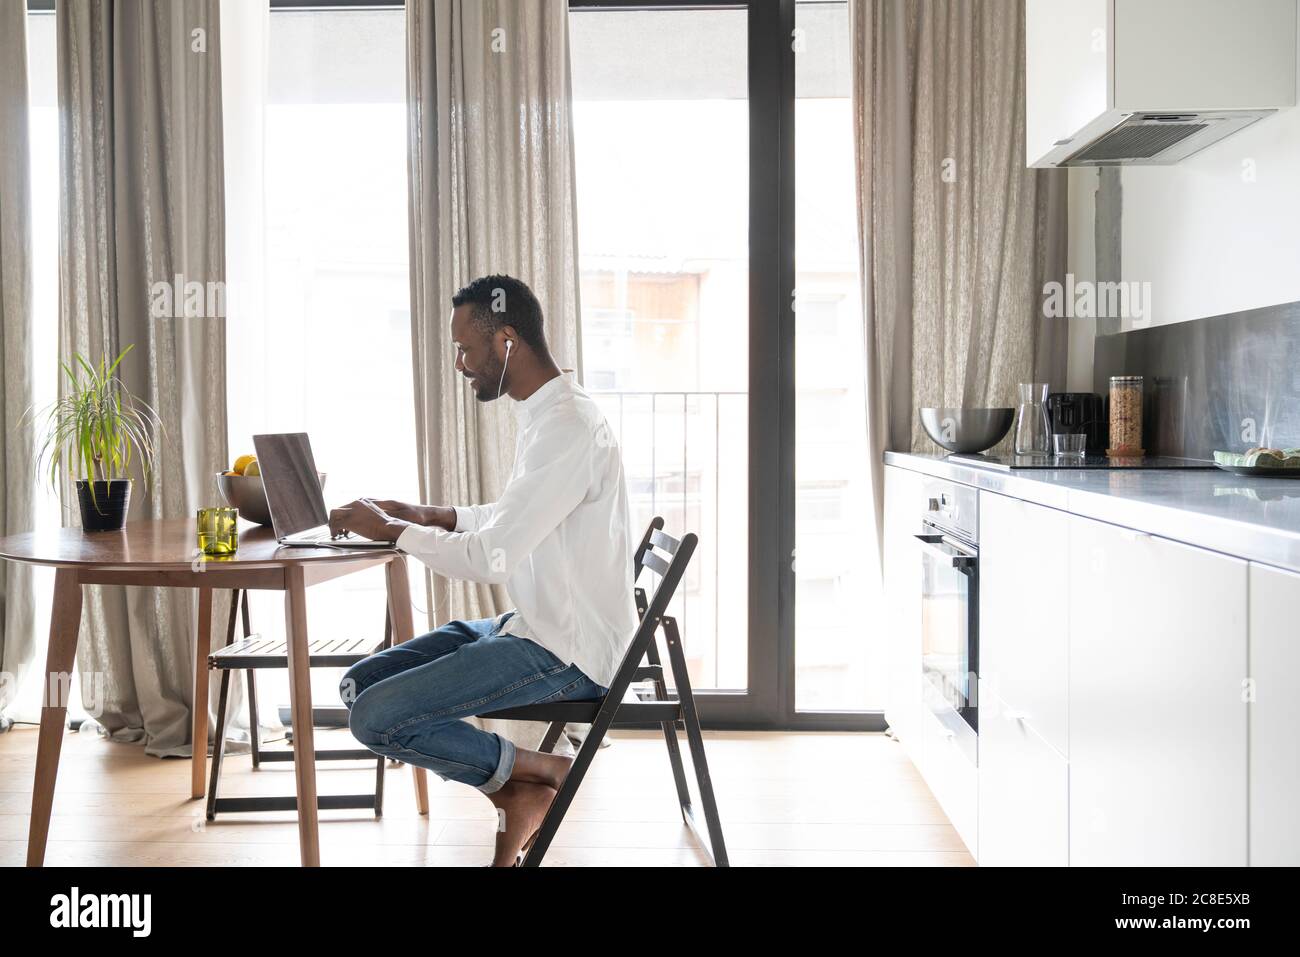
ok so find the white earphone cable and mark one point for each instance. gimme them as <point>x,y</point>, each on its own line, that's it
<point>504,366</point>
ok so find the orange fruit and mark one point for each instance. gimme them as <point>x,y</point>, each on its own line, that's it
<point>242,463</point>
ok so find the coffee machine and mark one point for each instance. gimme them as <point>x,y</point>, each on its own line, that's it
<point>1079,412</point>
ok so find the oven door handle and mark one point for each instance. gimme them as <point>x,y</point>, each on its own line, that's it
<point>932,543</point>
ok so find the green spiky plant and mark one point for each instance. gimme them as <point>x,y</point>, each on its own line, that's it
<point>97,429</point>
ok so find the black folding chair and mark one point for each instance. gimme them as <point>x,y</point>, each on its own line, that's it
<point>614,711</point>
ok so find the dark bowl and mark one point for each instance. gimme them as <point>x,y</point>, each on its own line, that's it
<point>967,430</point>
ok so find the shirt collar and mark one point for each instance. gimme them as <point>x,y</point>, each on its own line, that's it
<point>531,407</point>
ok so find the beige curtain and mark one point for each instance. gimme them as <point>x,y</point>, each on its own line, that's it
<point>492,191</point>
<point>17,507</point>
<point>141,203</point>
<point>957,235</point>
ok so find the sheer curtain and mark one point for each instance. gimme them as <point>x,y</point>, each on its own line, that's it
<point>141,202</point>
<point>17,503</point>
<point>491,171</point>
<point>318,309</point>
<point>245,31</point>
<point>957,235</point>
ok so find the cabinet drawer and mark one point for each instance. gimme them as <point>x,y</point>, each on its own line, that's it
<point>1274,718</point>
<point>1158,734</point>
<point>951,777</point>
<point>1024,792</point>
<point>1024,611</point>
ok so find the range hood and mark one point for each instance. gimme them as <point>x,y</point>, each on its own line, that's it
<point>1150,82</point>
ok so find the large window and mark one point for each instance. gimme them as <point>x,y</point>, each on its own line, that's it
<point>661,121</point>
<point>704,268</point>
<point>44,138</point>
<point>684,159</point>
<point>326,348</point>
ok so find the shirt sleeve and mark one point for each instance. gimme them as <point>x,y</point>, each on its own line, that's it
<point>470,518</point>
<point>555,478</point>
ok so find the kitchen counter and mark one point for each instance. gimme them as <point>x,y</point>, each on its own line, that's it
<point>1252,518</point>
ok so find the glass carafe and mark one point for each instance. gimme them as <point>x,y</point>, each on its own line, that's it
<point>1033,434</point>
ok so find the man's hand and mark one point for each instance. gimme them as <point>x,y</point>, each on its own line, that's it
<point>363,517</point>
<point>429,515</point>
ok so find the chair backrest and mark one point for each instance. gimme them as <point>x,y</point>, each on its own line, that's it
<point>655,545</point>
<point>638,561</point>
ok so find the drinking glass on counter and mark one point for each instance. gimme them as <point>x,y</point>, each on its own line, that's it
<point>1069,445</point>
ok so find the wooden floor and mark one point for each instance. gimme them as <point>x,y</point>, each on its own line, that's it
<point>785,799</point>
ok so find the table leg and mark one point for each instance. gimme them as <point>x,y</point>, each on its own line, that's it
<point>399,613</point>
<point>304,746</point>
<point>65,623</point>
<point>199,731</point>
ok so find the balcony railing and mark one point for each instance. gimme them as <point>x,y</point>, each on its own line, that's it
<point>685,458</point>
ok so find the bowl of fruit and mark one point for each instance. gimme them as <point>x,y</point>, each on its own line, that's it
<point>241,487</point>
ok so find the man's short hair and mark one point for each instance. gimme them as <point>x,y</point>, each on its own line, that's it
<point>504,301</point>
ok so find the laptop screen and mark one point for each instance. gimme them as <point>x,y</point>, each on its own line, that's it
<point>293,492</point>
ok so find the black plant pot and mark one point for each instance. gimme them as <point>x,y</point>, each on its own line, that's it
<point>107,511</point>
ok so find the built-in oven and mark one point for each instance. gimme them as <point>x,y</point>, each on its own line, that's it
<point>949,556</point>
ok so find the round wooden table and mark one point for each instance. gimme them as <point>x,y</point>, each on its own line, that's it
<point>165,554</point>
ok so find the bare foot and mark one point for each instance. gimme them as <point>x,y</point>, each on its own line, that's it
<point>525,804</point>
<point>537,767</point>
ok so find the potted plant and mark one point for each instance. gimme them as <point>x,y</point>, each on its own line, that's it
<point>93,434</point>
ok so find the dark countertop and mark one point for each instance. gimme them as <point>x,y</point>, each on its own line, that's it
<point>1252,518</point>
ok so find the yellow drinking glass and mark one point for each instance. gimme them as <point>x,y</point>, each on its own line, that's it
<point>218,531</point>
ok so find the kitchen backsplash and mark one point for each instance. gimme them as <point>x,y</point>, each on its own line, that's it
<point>1228,382</point>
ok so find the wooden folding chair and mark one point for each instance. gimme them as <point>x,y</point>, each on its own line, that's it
<point>613,711</point>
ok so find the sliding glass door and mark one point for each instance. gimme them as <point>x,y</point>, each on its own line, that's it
<point>688,209</point>
<point>661,120</point>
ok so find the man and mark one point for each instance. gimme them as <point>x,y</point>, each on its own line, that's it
<point>558,538</point>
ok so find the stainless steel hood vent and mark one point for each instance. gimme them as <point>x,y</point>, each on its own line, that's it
<point>1135,142</point>
<point>1154,138</point>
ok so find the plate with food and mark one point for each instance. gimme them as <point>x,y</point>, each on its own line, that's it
<point>1264,462</point>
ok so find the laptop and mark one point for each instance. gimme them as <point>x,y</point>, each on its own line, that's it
<point>293,494</point>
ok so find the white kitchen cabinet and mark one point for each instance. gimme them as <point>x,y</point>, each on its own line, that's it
<point>1024,608</point>
<point>952,779</point>
<point>1274,718</point>
<point>1184,73</point>
<point>1067,69</point>
<point>902,575</point>
<point>1024,791</point>
<point>1157,720</point>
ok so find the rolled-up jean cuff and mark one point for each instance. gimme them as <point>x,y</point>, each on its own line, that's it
<point>505,767</point>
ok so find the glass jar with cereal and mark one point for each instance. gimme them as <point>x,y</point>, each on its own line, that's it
<point>1125,416</point>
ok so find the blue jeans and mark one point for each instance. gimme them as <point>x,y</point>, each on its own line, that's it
<point>407,702</point>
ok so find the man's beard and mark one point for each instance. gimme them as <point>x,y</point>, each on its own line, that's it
<point>487,384</point>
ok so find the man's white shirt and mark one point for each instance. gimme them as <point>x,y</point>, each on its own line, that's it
<point>559,537</point>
